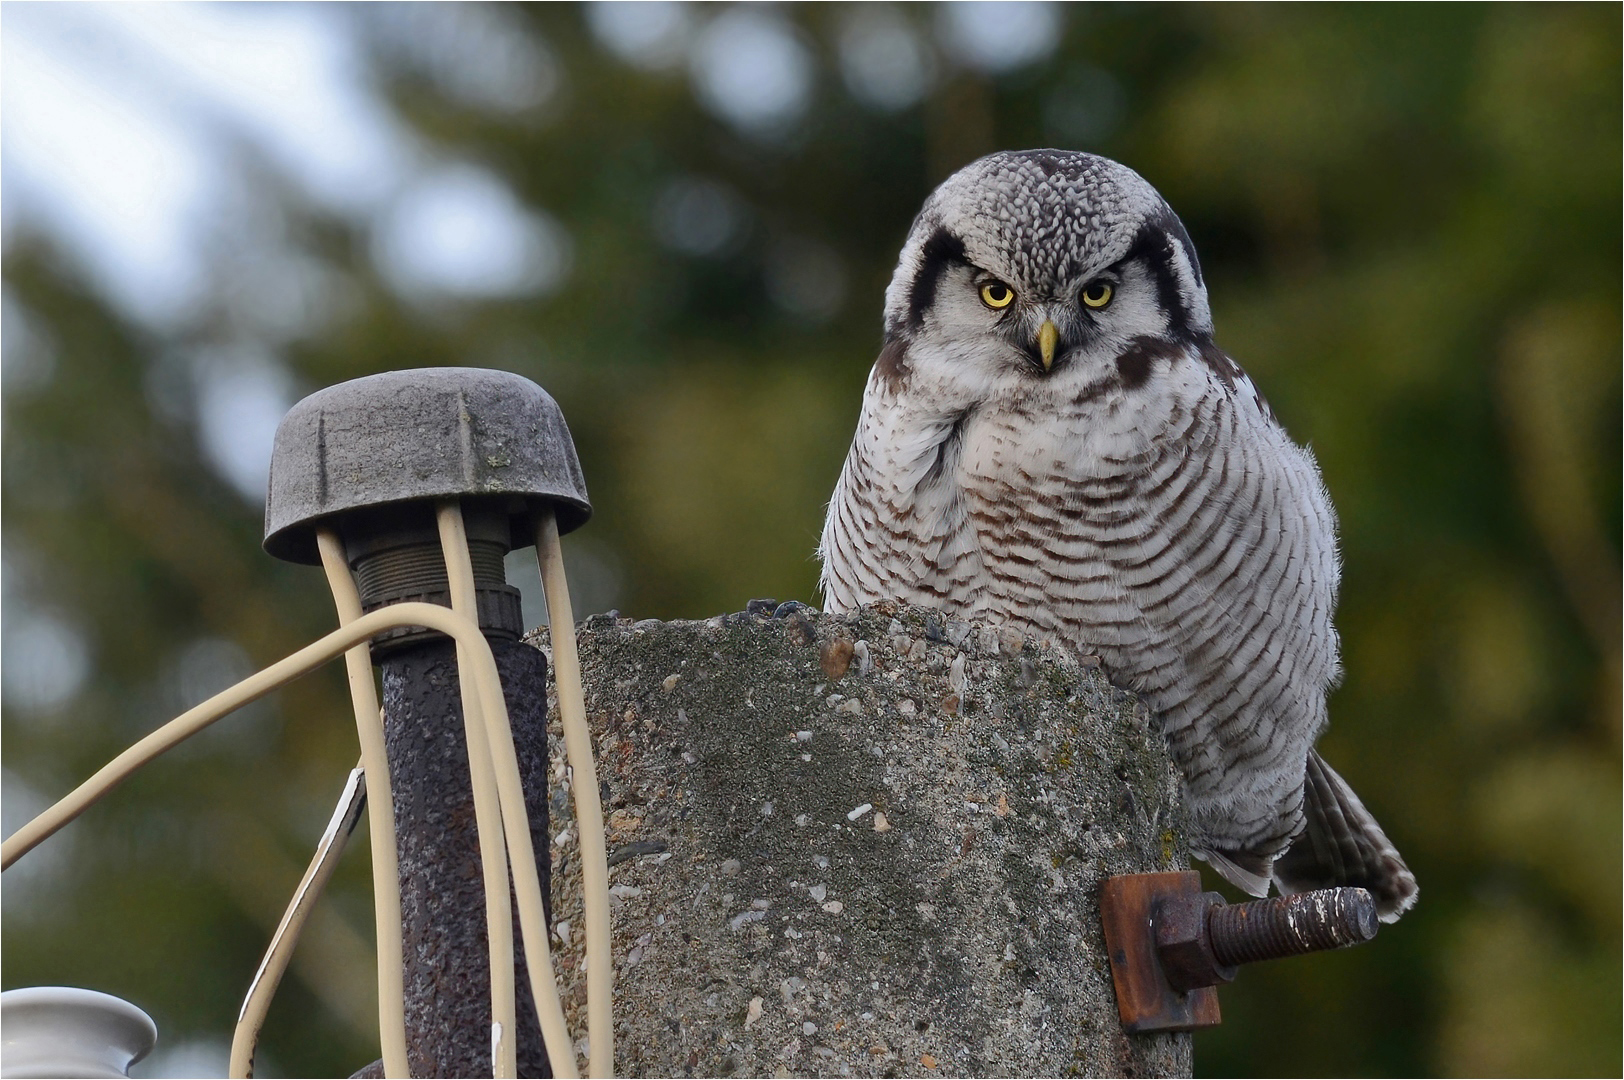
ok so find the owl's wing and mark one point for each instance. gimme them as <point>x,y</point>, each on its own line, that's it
<point>1270,651</point>
<point>1224,545</point>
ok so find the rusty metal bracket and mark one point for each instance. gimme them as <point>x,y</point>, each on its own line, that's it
<point>1171,945</point>
<point>1146,999</point>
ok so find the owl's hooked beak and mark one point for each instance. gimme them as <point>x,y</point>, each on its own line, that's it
<point>1048,337</point>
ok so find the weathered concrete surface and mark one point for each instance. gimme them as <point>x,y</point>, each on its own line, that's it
<point>884,867</point>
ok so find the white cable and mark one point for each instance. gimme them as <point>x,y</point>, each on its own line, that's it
<point>588,808</point>
<point>504,762</point>
<point>251,1018</point>
<point>381,820</point>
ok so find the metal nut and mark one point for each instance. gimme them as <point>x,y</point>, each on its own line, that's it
<point>1182,943</point>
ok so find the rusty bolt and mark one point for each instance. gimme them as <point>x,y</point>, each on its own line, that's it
<point>1170,944</point>
<point>1201,940</point>
<point>1183,941</point>
<point>1292,925</point>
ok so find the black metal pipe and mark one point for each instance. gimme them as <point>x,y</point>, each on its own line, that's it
<point>447,981</point>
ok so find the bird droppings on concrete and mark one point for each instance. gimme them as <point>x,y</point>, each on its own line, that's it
<point>975,949</point>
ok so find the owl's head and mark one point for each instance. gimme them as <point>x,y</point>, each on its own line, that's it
<point>1039,263</point>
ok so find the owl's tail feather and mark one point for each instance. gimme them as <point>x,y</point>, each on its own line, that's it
<point>1242,869</point>
<point>1343,845</point>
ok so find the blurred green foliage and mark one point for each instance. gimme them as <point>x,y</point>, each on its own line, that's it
<point>1410,221</point>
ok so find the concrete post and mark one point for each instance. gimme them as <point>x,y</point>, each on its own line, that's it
<point>866,845</point>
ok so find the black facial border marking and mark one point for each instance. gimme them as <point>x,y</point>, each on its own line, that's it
<point>1137,363</point>
<point>1175,228</point>
<point>941,250</point>
<point>1151,249</point>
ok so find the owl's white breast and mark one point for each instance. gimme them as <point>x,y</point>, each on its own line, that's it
<point>1046,478</point>
<point>1172,528</point>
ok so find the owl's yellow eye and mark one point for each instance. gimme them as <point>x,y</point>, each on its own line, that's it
<point>997,295</point>
<point>1096,294</point>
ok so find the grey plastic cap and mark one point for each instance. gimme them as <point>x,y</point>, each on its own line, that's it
<point>409,436</point>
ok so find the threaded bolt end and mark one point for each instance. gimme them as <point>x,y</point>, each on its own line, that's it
<point>417,572</point>
<point>1291,925</point>
<point>396,554</point>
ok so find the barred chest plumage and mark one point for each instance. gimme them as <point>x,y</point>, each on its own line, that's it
<point>1050,439</point>
<point>1130,522</point>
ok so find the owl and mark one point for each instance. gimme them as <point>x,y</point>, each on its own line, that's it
<point>1051,439</point>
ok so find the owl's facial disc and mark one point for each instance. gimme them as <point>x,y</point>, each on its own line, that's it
<point>1039,265</point>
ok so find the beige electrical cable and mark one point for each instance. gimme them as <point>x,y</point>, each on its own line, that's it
<point>477,664</point>
<point>487,808</point>
<point>588,808</point>
<point>381,821</point>
<point>253,688</point>
<point>504,762</point>
<point>251,1018</point>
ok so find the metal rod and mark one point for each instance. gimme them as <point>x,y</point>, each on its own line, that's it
<point>1284,926</point>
